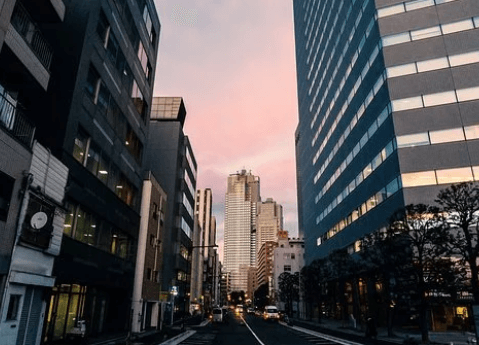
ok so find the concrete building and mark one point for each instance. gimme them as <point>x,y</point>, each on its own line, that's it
<point>24,77</point>
<point>38,239</point>
<point>203,210</point>
<point>288,257</point>
<point>264,272</point>
<point>242,196</point>
<point>98,104</point>
<point>146,304</point>
<point>197,262</point>
<point>269,220</point>
<point>388,102</point>
<point>170,158</point>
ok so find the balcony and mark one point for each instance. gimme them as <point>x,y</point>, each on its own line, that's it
<point>15,122</point>
<point>27,28</point>
<point>29,46</point>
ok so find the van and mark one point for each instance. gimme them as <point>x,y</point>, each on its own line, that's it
<point>217,315</point>
<point>271,313</point>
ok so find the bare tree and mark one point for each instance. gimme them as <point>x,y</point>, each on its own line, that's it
<point>461,203</point>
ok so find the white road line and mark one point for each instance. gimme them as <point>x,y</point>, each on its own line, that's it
<point>324,336</point>
<point>259,341</point>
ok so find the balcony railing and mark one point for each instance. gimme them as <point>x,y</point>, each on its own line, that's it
<point>13,120</point>
<point>26,27</point>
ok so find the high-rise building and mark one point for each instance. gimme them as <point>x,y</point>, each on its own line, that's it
<point>388,102</point>
<point>269,221</point>
<point>207,222</point>
<point>242,196</point>
<point>170,157</point>
<point>95,120</point>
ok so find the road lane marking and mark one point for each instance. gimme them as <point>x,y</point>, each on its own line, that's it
<point>259,341</point>
<point>324,336</point>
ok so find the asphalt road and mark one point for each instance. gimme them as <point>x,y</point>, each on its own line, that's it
<point>253,331</point>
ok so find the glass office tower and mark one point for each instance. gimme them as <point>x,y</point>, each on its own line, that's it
<point>388,102</point>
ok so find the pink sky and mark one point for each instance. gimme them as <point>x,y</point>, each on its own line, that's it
<point>233,63</point>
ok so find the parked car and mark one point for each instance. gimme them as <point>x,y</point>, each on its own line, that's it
<point>250,310</point>
<point>271,313</point>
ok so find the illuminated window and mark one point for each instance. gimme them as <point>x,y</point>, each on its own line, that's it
<point>457,26</point>
<point>411,140</point>
<point>407,103</point>
<point>422,178</point>
<point>454,175</point>
<point>472,132</point>
<point>447,135</point>
<point>433,64</point>
<point>439,98</point>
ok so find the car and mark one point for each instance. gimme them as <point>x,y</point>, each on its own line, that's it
<point>239,309</point>
<point>271,313</point>
<point>250,310</point>
<point>217,315</point>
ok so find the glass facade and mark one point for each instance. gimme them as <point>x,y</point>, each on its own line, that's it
<point>380,116</point>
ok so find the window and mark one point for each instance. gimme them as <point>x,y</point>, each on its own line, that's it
<point>454,175</point>
<point>433,64</point>
<point>390,10</point>
<point>425,33</point>
<point>417,4</point>
<point>463,59</point>
<point>6,190</point>
<point>411,140</point>
<point>472,132</point>
<point>13,307</point>
<point>407,103</point>
<point>287,268</point>
<point>149,275</point>
<point>93,84</point>
<point>143,57</point>
<point>126,191</point>
<point>133,144</point>
<point>447,135</point>
<point>103,28</point>
<point>138,100</point>
<point>439,98</point>
<point>293,256</point>
<point>457,26</point>
<point>396,39</point>
<point>422,178</point>
<point>80,146</point>
<point>468,94</point>
<point>85,227</point>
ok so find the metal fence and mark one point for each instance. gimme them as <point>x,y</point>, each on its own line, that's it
<point>27,28</point>
<point>15,122</point>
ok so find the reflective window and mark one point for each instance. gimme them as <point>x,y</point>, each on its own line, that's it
<point>396,39</point>
<point>468,94</point>
<point>457,26</point>
<point>422,178</point>
<point>417,4</point>
<point>407,103</point>
<point>439,98</point>
<point>472,132</point>
<point>425,33</point>
<point>411,140</point>
<point>463,59</point>
<point>447,135</point>
<point>389,11</point>
<point>434,64</point>
<point>406,69</point>
<point>454,175</point>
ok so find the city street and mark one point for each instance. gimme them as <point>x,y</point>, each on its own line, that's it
<point>254,331</point>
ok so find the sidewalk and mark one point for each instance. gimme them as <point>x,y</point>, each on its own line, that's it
<point>337,327</point>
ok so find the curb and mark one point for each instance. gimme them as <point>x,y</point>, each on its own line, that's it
<point>179,338</point>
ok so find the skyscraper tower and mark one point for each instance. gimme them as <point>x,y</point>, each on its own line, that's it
<point>240,218</point>
<point>388,100</point>
<point>269,220</point>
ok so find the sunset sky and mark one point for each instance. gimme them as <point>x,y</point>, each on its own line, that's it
<point>233,63</point>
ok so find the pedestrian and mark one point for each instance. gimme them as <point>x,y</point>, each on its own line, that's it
<point>371,331</point>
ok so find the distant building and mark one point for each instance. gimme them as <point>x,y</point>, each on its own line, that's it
<point>146,303</point>
<point>269,220</point>
<point>170,158</point>
<point>264,272</point>
<point>288,257</point>
<point>242,196</point>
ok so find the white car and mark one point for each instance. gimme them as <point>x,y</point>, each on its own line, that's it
<point>271,313</point>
